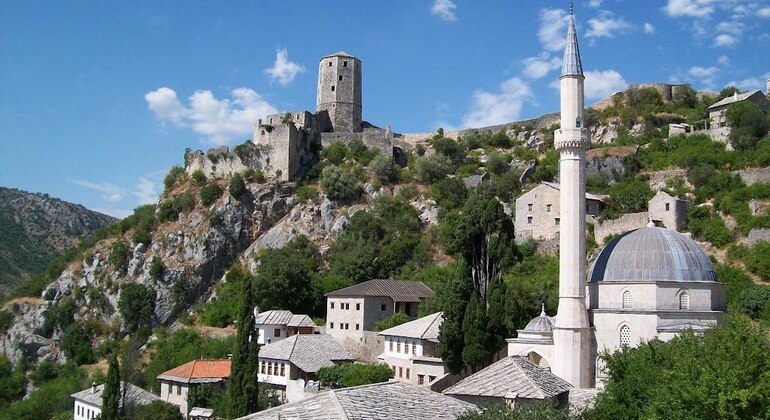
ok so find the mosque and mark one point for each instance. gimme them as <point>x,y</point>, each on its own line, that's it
<point>648,283</point>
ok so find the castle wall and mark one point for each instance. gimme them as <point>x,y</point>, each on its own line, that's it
<point>376,138</point>
<point>223,161</point>
<point>284,146</point>
<point>339,91</point>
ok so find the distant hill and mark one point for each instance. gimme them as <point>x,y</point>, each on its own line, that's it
<point>34,228</point>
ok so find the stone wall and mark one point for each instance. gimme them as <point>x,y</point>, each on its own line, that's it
<point>754,176</point>
<point>757,235</point>
<point>668,211</point>
<point>339,91</point>
<point>617,226</point>
<point>377,138</point>
<point>223,161</point>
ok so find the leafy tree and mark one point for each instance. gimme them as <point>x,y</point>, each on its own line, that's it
<point>735,279</point>
<point>449,193</point>
<point>340,183</point>
<point>758,260</point>
<point>76,344</point>
<point>749,124</point>
<point>361,153</point>
<point>111,392</point>
<point>158,410</point>
<point>59,316</point>
<point>527,411</point>
<point>432,168</point>
<point>198,395</point>
<point>496,162</point>
<point>136,306</point>
<point>547,167</point>
<point>210,193</point>
<point>51,399</point>
<point>223,310</point>
<point>394,320</point>
<point>449,148</point>
<point>174,176</point>
<point>354,374</point>
<point>384,168</point>
<point>455,297</point>
<point>198,177</point>
<point>242,392</point>
<point>335,153</point>
<point>12,384</point>
<point>237,186</point>
<point>507,185</point>
<point>754,299</point>
<point>119,255</point>
<point>685,96</point>
<point>282,283</point>
<point>727,91</point>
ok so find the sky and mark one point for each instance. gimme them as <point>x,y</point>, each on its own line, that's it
<point>99,99</point>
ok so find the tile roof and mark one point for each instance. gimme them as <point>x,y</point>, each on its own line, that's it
<point>283,317</point>
<point>425,328</point>
<point>398,290</point>
<point>733,99</point>
<point>384,400</point>
<point>511,377</point>
<point>134,395</point>
<point>308,352</point>
<point>198,371</point>
<point>589,196</point>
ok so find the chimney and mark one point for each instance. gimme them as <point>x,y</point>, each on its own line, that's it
<point>93,387</point>
<point>735,96</point>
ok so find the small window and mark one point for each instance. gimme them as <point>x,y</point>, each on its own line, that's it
<point>382,307</point>
<point>283,369</point>
<point>330,64</point>
<point>625,336</point>
<point>407,373</point>
<point>601,368</point>
<point>347,306</point>
<point>332,303</point>
<point>356,327</point>
<point>431,378</point>
<point>339,78</point>
<point>529,207</point>
<point>548,208</point>
<point>344,64</point>
<point>529,220</point>
<point>627,299</point>
<point>414,349</point>
<point>358,306</point>
<point>332,88</point>
<point>668,206</point>
<point>179,390</point>
<point>391,345</point>
<point>262,367</point>
<point>398,347</point>
<point>556,221</point>
<point>684,301</point>
<point>394,371</point>
<point>277,332</point>
<point>420,379</point>
<point>577,122</point>
<point>331,325</point>
<point>400,372</point>
<point>270,369</point>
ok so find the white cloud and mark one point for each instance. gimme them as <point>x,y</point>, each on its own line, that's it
<point>606,25</point>
<point>283,70</point>
<point>166,106</point>
<point>725,40</point>
<point>116,213</point>
<point>220,120</point>
<point>540,65</point>
<point>601,84</point>
<point>110,192</point>
<point>445,9</point>
<point>553,29</point>
<point>595,4</point>
<point>146,190</point>
<point>692,8</point>
<point>648,28</point>
<point>751,83</point>
<point>764,12</point>
<point>704,76</point>
<point>723,60</point>
<point>497,108</point>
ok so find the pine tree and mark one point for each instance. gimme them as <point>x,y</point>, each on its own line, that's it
<point>242,391</point>
<point>451,339</point>
<point>111,392</point>
<point>475,334</point>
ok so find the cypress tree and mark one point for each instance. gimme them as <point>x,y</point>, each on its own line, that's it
<point>451,338</point>
<point>497,315</point>
<point>242,391</point>
<point>111,392</point>
<point>475,334</point>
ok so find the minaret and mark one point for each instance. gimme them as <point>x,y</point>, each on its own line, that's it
<point>572,334</point>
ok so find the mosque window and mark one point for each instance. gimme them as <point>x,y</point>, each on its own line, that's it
<point>577,122</point>
<point>684,301</point>
<point>626,299</point>
<point>625,336</point>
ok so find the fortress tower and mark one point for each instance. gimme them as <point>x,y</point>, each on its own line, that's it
<point>339,91</point>
<point>571,332</point>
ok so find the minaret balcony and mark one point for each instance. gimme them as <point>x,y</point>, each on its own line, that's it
<point>571,138</point>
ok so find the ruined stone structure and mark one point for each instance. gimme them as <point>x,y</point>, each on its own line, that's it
<point>339,91</point>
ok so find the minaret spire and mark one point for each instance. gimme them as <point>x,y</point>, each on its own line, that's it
<point>572,333</point>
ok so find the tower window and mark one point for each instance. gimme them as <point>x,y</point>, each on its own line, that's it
<point>684,301</point>
<point>330,64</point>
<point>529,207</point>
<point>625,336</point>
<point>332,88</point>
<point>577,122</point>
<point>529,220</point>
<point>344,64</point>
<point>668,205</point>
<point>556,221</point>
<point>339,78</point>
<point>626,299</point>
<point>548,208</point>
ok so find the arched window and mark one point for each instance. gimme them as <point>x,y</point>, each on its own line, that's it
<point>625,336</point>
<point>627,299</point>
<point>684,301</point>
<point>601,368</point>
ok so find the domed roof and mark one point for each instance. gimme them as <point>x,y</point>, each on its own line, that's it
<point>652,254</point>
<point>542,323</point>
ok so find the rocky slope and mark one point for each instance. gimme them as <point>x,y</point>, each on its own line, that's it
<point>34,228</point>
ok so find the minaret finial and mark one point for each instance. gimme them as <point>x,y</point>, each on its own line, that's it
<point>650,223</point>
<point>571,7</point>
<point>542,310</point>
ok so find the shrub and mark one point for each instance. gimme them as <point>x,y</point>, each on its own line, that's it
<point>449,148</point>
<point>175,175</point>
<point>496,162</point>
<point>339,183</point>
<point>308,192</point>
<point>384,169</point>
<point>432,168</point>
<point>156,268</point>
<point>394,320</point>
<point>141,236</point>
<point>237,187</point>
<point>6,320</point>
<point>119,255</point>
<point>76,344</point>
<point>253,175</point>
<point>210,193</point>
<point>354,374</point>
<point>136,306</point>
<point>361,153</point>
<point>754,299</point>
<point>758,260</point>
<point>449,193</point>
<point>335,153</point>
<point>715,231</point>
<point>198,177</point>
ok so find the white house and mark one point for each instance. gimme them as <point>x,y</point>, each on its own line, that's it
<point>176,383</point>
<point>278,324</point>
<point>88,402</point>
<point>410,350</point>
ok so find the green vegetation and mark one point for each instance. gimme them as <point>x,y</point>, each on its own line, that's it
<point>210,193</point>
<point>111,394</point>
<point>50,400</point>
<point>198,178</point>
<point>242,391</point>
<point>394,320</point>
<point>158,410</point>
<point>354,374</point>
<point>222,311</point>
<point>174,176</point>
<point>237,186</point>
<point>525,411</point>
<point>136,306</point>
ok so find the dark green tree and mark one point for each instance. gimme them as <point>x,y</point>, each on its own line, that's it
<point>242,391</point>
<point>354,374</point>
<point>749,124</point>
<point>282,283</point>
<point>76,344</point>
<point>237,186</point>
<point>476,336</point>
<point>455,296</point>
<point>158,410</point>
<point>111,392</point>
<point>527,411</point>
<point>136,306</point>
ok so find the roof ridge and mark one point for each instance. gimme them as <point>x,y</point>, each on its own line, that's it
<point>526,375</point>
<point>435,318</point>
<point>338,404</point>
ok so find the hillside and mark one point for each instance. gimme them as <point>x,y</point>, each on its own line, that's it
<point>34,228</point>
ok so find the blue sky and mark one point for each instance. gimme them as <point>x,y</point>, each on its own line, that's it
<point>99,99</point>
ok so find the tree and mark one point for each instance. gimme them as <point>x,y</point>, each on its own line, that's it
<point>475,333</point>
<point>354,374</point>
<point>111,392</point>
<point>749,124</point>
<point>76,344</point>
<point>432,168</point>
<point>156,268</point>
<point>282,283</point>
<point>158,410</point>
<point>527,411</point>
<point>496,162</point>
<point>394,320</point>
<point>449,193</point>
<point>237,186</point>
<point>136,306</point>
<point>335,153</point>
<point>210,193</point>
<point>384,168</point>
<point>339,183</point>
<point>455,297</point>
<point>242,392</point>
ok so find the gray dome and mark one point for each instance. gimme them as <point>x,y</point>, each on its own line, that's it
<point>542,323</point>
<point>652,254</point>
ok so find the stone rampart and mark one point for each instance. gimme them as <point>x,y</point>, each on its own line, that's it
<point>377,138</point>
<point>223,161</point>
<point>754,176</point>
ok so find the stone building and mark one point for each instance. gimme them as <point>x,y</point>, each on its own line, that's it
<point>88,402</point>
<point>355,309</point>
<point>176,383</point>
<point>410,350</point>
<point>717,111</point>
<point>538,211</point>
<point>339,91</point>
<point>663,210</point>
<point>279,324</point>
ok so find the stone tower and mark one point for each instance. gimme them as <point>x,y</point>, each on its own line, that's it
<point>339,91</point>
<point>571,333</point>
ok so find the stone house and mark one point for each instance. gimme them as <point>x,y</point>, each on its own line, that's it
<point>718,110</point>
<point>538,212</point>
<point>664,210</point>
<point>410,350</point>
<point>355,309</point>
<point>276,325</point>
<point>88,402</point>
<point>176,383</point>
<point>287,365</point>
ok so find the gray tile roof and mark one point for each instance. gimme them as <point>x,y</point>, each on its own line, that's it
<point>308,352</point>
<point>582,398</point>
<point>134,395</point>
<point>425,328</point>
<point>398,290</point>
<point>733,99</point>
<point>511,377</point>
<point>571,65</point>
<point>384,400</point>
<point>282,317</point>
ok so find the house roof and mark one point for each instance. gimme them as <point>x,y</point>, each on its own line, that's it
<point>309,352</point>
<point>733,99</point>
<point>589,196</point>
<point>134,395</point>
<point>509,378</point>
<point>384,400</point>
<point>398,290</point>
<point>283,317</point>
<point>425,328</point>
<point>198,371</point>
